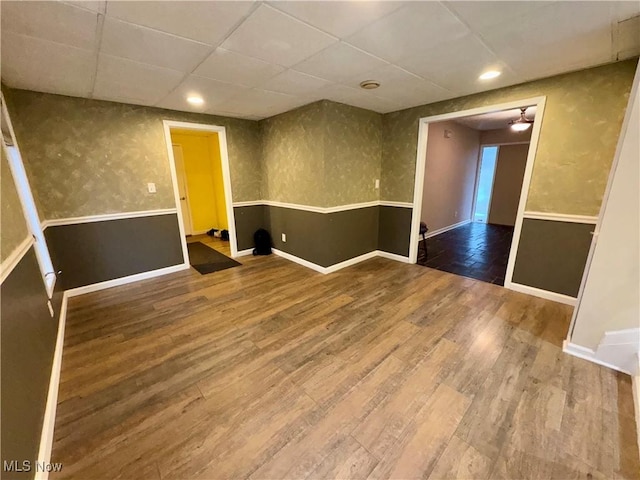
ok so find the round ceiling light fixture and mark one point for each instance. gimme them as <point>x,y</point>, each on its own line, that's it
<point>489,74</point>
<point>369,84</point>
<point>195,100</point>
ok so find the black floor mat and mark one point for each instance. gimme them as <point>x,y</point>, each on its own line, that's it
<point>207,260</point>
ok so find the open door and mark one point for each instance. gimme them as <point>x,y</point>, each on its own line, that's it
<point>182,189</point>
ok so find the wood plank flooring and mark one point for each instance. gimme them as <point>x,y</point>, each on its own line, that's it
<point>381,370</point>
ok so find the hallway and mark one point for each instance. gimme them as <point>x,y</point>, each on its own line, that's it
<point>475,250</point>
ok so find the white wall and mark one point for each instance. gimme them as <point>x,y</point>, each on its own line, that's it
<point>611,295</point>
<point>450,174</point>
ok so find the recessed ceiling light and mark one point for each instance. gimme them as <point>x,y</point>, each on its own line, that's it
<point>489,74</point>
<point>195,100</point>
<point>369,84</point>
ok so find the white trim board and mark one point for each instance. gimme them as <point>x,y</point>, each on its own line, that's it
<point>339,266</point>
<point>588,354</point>
<point>105,217</point>
<point>226,179</point>
<point>94,287</point>
<point>49,421</point>
<point>311,208</point>
<point>244,253</point>
<point>444,229</point>
<point>15,257</point>
<point>538,292</point>
<point>635,387</point>
<point>421,154</point>
<point>561,217</point>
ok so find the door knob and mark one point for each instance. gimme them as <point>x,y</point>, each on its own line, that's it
<point>183,198</point>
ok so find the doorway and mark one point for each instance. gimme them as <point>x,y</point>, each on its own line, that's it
<point>200,174</point>
<point>488,157</point>
<point>473,171</point>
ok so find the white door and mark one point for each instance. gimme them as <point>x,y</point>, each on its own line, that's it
<point>182,189</point>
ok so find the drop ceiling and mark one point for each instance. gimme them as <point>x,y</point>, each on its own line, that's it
<point>496,120</point>
<point>257,59</point>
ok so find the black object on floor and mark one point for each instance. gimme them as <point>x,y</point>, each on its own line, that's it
<point>476,250</point>
<point>207,260</point>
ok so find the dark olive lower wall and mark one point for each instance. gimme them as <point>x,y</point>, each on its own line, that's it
<point>327,238</point>
<point>324,238</point>
<point>94,252</point>
<point>394,232</point>
<point>552,255</point>
<point>28,340</point>
<point>248,220</point>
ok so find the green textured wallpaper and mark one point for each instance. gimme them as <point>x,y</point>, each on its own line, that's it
<point>293,156</point>
<point>89,157</point>
<point>352,154</point>
<point>580,129</point>
<point>323,154</point>
<point>13,227</point>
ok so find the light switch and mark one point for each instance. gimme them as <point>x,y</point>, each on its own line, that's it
<point>151,187</point>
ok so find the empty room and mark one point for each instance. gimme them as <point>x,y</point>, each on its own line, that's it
<point>332,239</point>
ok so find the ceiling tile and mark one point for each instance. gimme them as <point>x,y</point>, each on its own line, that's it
<point>441,64</point>
<point>53,21</point>
<point>43,66</point>
<point>277,38</point>
<point>148,46</point>
<point>261,103</point>
<point>409,31</point>
<point>207,22</point>
<point>294,83</point>
<point>98,6</point>
<point>561,37</point>
<point>481,16</point>
<point>232,67</point>
<point>339,62</point>
<point>119,78</point>
<point>212,91</point>
<point>338,18</point>
<point>403,88</point>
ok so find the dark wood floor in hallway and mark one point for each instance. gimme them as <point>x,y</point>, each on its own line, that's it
<point>381,370</point>
<point>475,250</point>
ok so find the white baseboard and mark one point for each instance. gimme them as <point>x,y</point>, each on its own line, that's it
<point>341,265</point>
<point>243,253</point>
<point>351,261</point>
<point>444,229</point>
<point>393,256</point>
<point>538,292</point>
<point>299,261</point>
<point>94,287</point>
<point>635,386</point>
<point>46,438</point>
<point>588,354</point>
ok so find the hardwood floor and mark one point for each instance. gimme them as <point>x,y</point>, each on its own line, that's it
<point>381,370</point>
<point>215,243</point>
<point>475,250</point>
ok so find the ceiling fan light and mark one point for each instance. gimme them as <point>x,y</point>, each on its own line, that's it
<point>520,126</point>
